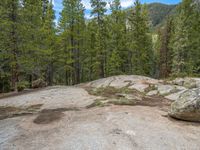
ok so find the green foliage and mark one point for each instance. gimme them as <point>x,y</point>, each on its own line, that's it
<point>140,41</point>
<point>117,40</point>
<point>71,28</point>
<point>165,51</point>
<point>77,49</point>
<point>98,11</point>
<point>185,41</point>
<point>22,85</point>
<point>158,12</point>
<point>96,103</point>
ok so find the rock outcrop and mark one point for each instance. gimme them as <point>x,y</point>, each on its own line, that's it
<point>149,86</point>
<point>39,83</point>
<point>187,107</point>
<point>187,82</point>
<point>119,112</point>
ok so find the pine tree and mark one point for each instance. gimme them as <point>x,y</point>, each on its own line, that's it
<point>49,38</point>
<point>194,37</point>
<point>90,60</point>
<point>140,41</point>
<point>9,43</point>
<point>181,41</point>
<point>165,52</point>
<point>98,11</point>
<point>31,40</point>
<point>45,6</point>
<point>71,27</point>
<point>117,40</point>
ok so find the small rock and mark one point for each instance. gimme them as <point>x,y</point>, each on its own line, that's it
<point>139,87</point>
<point>178,81</point>
<point>174,96</point>
<point>129,96</point>
<point>187,82</point>
<point>190,83</point>
<point>39,83</point>
<point>151,93</point>
<point>165,89</point>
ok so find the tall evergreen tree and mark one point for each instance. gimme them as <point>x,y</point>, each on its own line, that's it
<point>184,41</point>
<point>117,40</point>
<point>71,27</point>
<point>32,42</point>
<point>165,52</point>
<point>90,61</point>
<point>9,43</point>
<point>49,38</point>
<point>140,41</point>
<point>45,4</point>
<point>194,37</point>
<point>98,11</point>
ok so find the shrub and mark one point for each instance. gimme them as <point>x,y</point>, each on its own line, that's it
<point>22,85</point>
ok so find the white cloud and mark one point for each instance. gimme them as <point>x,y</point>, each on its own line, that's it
<point>53,2</point>
<point>124,3</point>
<point>127,3</point>
<point>86,4</point>
<point>58,6</point>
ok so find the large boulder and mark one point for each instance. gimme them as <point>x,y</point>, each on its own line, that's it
<point>39,83</point>
<point>187,107</point>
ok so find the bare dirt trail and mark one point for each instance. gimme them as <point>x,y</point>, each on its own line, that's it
<point>64,123</point>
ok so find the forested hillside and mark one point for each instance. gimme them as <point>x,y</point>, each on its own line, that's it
<point>33,47</point>
<point>158,12</point>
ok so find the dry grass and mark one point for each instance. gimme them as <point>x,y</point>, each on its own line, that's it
<point>110,92</point>
<point>11,111</point>
<point>97,103</point>
<point>123,101</point>
<point>117,97</point>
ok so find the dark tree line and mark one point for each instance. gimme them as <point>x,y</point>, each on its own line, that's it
<point>77,49</point>
<point>179,50</point>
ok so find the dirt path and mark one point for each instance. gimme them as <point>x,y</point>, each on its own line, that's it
<point>56,126</point>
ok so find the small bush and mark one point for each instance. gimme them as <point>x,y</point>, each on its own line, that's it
<point>22,85</point>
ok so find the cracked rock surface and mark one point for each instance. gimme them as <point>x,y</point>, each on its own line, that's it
<point>58,118</point>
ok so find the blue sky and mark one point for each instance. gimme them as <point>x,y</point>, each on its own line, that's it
<point>124,3</point>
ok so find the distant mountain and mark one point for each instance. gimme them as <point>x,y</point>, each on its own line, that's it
<point>158,12</point>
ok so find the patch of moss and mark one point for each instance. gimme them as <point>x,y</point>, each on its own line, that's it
<point>11,111</point>
<point>151,88</point>
<point>123,102</point>
<point>110,92</point>
<point>97,103</point>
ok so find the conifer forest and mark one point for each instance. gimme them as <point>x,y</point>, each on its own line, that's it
<point>75,49</point>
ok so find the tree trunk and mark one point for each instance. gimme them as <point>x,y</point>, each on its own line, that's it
<point>50,74</point>
<point>14,50</point>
